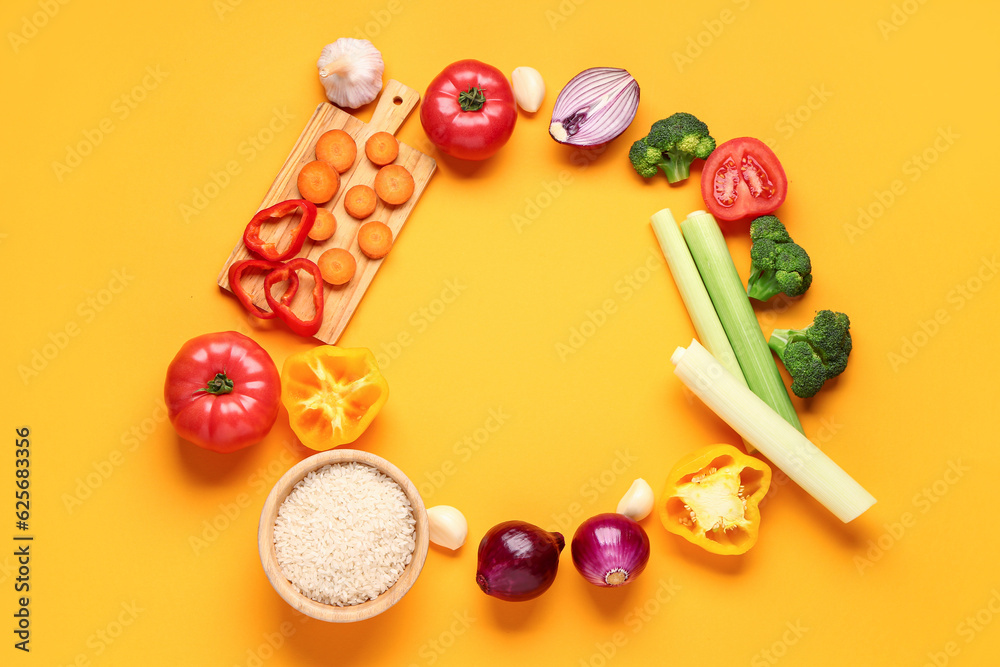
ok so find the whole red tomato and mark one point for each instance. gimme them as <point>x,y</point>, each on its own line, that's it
<point>742,178</point>
<point>468,111</point>
<point>222,391</point>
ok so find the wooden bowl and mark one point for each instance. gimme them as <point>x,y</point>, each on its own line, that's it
<point>269,559</point>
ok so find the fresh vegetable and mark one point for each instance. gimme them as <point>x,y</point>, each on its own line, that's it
<point>711,499</point>
<point>776,439</point>
<point>816,353</point>
<point>610,550</point>
<point>332,394</point>
<point>468,111</point>
<point>692,290</point>
<point>351,72</point>
<point>375,239</point>
<point>337,266</point>
<point>338,149</point>
<point>529,88</point>
<point>381,148</point>
<point>236,271</point>
<point>518,561</point>
<point>778,265</point>
<point>318,182</point>
<point>325,225</point>
<point>715,265</point>
<point>394,184</point>
<point>359,201</point>
<point>268,250</point>
<point>283,308</point>
<point>448,527</point>
<point>596,106</point>
<point>672,145</point>
<point>742,178</point>
<point>222,391</point>
<point>638,501</point>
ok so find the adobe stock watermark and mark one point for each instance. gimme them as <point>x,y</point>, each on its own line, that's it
<point>87,310</point>
<point>270,643</point>
<point>437,646</point>
<point>120,109</point>
<point>779,648</point>
<point>593,489</point>
<point>87,484</point>
<point>899,16</point>
<point>624,289</point>
<point>713,28</point>
<point>796,119</point>
<point>635,620</point>
<point>104,637</point>
<point>913,169</point>
<point>922,502</point>
<point>259,483</point>
<point>33,23</point>
<point>418,321</point>
<point>561,13</point>
<point>247,151</point>
<point>966,632</point>
<point>549,190</point>
<point>463,450</point>
<point>957,298</point>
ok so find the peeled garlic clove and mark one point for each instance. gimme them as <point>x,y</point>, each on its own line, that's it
<point>529,88</point>
<point>351,72</point>
<point>637,502</point>
<point>448,527</point>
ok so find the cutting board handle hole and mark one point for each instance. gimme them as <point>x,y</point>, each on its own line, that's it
<point>397,100</point>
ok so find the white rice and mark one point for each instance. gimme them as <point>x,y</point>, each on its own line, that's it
<point>344,534</point>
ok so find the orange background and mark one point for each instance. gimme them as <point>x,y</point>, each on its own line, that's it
<point>144,549</point>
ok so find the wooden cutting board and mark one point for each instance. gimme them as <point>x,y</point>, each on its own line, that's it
<point>394,105</point>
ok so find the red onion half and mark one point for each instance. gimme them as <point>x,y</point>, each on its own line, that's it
<point>595,107</point>
<point>518,561</point>
<point>610,549</point>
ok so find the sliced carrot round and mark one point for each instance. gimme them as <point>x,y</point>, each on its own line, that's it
<point>337,266</point>
<point>338,149</point>
<point>394,184</point>
<point>381,148</point>
<point>375,239</point>
<point>318,182</point>
<point>359,201</point>
<point>325,225</point>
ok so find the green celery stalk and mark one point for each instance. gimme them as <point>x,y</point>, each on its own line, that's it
<point>706,322</point>
<point>729,296</point>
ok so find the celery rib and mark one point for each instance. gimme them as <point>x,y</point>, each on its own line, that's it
<point>692,290</point>
<point>771,433</point>
<point>715,265</point>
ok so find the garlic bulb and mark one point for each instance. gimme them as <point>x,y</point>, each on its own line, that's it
<point>448,527</point>
<point>637,502</point>
<point>529,88</point>
<point>351,72</point>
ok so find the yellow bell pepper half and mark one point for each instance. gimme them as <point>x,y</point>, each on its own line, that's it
<point>711,499</point>
<point>332,394</point>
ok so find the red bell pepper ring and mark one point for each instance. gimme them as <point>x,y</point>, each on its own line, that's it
<point>236,271</point>
<point>269,251</point>
<point>281,307</point>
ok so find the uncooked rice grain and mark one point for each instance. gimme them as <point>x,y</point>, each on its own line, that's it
<point>344,534</point>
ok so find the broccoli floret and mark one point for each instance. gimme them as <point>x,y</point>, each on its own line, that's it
<point>816,353</point>
<point>777,264</point>
<point>645,158</point>
<point>672,144</point>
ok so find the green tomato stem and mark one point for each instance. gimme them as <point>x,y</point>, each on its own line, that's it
<point>218,385</point>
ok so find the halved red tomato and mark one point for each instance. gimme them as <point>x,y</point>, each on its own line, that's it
<point>742,178</point>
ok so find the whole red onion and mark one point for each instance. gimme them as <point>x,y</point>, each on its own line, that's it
<point>610,549</point>
<point>518,560</point>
